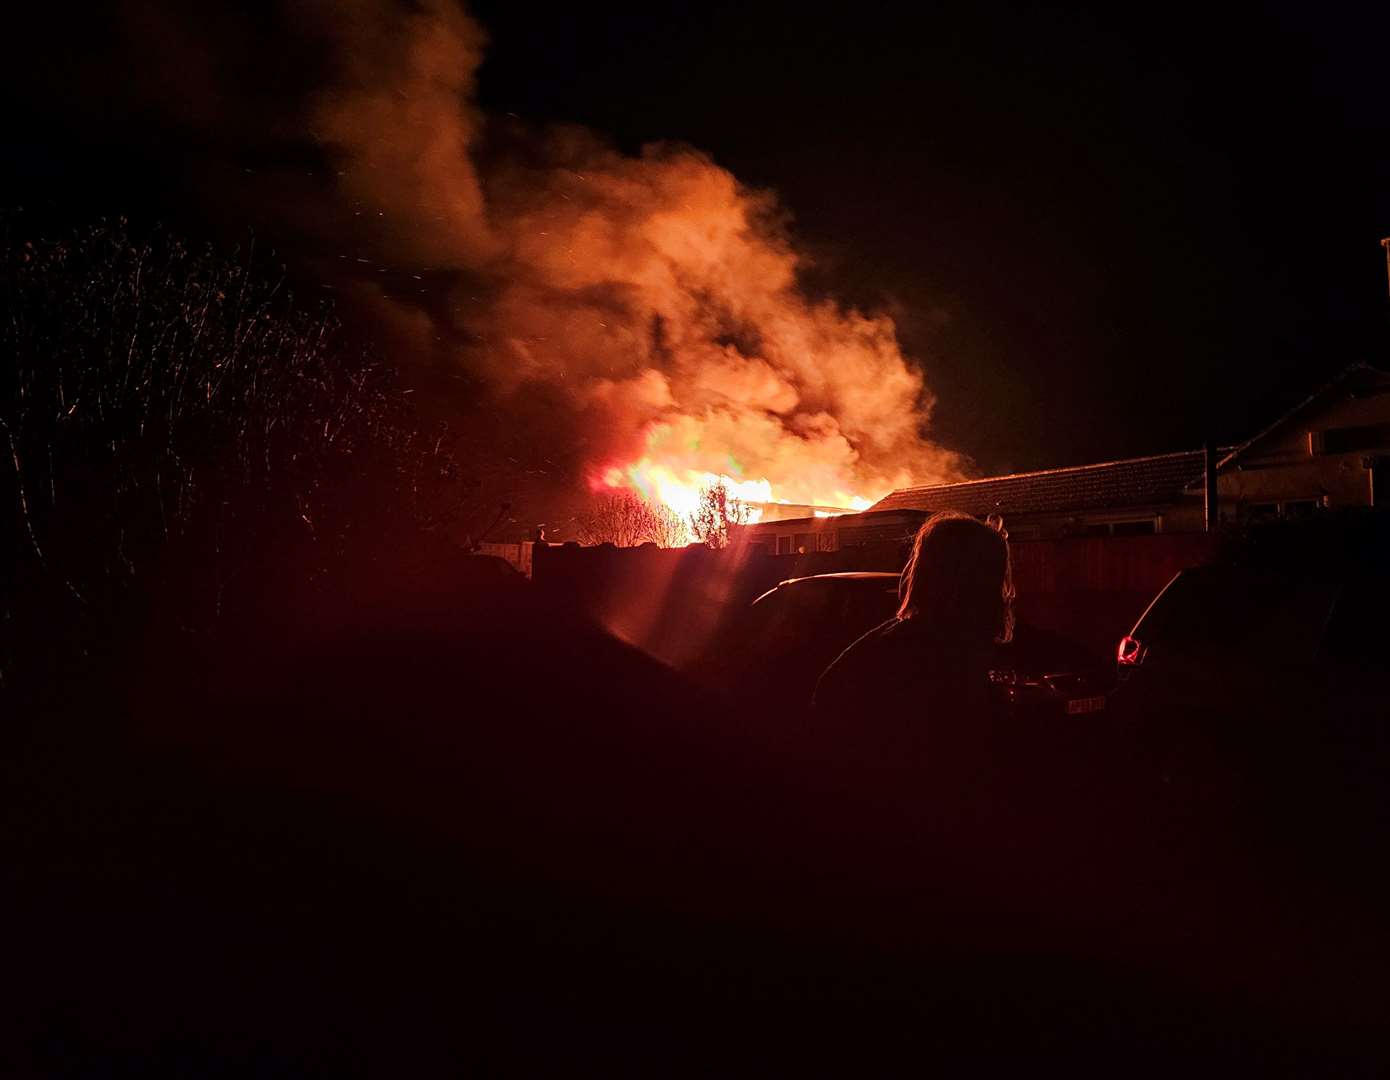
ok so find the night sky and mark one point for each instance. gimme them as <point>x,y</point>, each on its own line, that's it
<point>1101,233</point>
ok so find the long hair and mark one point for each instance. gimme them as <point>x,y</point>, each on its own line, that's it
<point>959,578</point>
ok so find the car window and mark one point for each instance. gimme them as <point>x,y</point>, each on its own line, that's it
<point>1243,615</point>
<point>782,619</point>
<point>817,615</point>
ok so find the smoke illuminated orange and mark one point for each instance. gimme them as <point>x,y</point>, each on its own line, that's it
<point>655,299</point>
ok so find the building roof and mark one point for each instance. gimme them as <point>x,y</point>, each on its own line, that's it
<point>1360,369</point>
<point>1112,484</point>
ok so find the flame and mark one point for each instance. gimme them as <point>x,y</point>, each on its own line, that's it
<point>659,483</point>
<point>671,480</point>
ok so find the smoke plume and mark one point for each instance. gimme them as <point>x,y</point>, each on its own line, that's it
<point>651,302</point>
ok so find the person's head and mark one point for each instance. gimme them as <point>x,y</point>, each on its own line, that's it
<point>959,579</point>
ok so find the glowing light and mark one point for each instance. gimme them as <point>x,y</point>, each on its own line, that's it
<point>672,474</point>
<point>680,490</point>
<point>1130,653</point>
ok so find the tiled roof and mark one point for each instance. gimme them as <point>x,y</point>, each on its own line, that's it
<point>1112,484</point>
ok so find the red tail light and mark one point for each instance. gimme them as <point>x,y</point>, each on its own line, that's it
<point>1131,652</point>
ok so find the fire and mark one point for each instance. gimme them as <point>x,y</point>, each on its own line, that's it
<point>681,491</point>
<point>677,484</point>
<point>643,313</point>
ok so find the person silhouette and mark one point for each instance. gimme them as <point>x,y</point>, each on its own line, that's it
<point>916,688</point>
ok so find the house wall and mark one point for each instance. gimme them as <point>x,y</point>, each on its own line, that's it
<point>1362,400</point>
<point>828,534</point>
<point>1334,482</point>
<point>1054,526</point>
<point>1290,463</point>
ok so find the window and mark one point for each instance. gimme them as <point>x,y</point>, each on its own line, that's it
<point>804,542</point>
<point>1348,440</point>
<point>825,541</point>
<point>784,545</point>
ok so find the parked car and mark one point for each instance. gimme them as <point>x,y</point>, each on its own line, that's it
<point>777,648</point>
<point>1268,682</point>
<point>1262,641</point>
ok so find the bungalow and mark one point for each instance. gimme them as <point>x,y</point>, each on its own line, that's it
<point>1332,450</point>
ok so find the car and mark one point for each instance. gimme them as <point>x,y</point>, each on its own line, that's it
<point>778,646</point>
<point>1263,640</point>
<point>1265,681</point>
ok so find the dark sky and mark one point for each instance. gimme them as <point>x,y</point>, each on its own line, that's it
<point>1103,233</point>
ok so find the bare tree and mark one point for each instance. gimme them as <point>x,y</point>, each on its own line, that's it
<point>668,528</point>
<point>716,511</point>
<point>627,521</point>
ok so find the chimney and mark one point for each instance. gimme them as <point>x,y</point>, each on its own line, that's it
<point>1212,520</point>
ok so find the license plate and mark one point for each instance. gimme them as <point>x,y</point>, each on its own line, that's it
<point>1080,705</point>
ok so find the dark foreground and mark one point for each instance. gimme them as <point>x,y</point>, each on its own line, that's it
<point>464,833</point>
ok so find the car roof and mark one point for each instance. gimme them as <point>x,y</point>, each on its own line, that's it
<point>849,575</point>
<point>847,579</point>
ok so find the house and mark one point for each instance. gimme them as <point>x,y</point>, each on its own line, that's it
<point>805,536</point>
<point>1331,451</point>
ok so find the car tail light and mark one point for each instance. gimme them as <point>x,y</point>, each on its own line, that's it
<point>1003,677</point>
<point>1131,652</point>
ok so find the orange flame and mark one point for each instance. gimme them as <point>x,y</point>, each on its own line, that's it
<point>659,483</point>
<point>671,480</point>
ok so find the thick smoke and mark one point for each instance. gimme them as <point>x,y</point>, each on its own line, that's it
<point>399,119</point>
<point>649,303</point>
<point>658,292</point>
